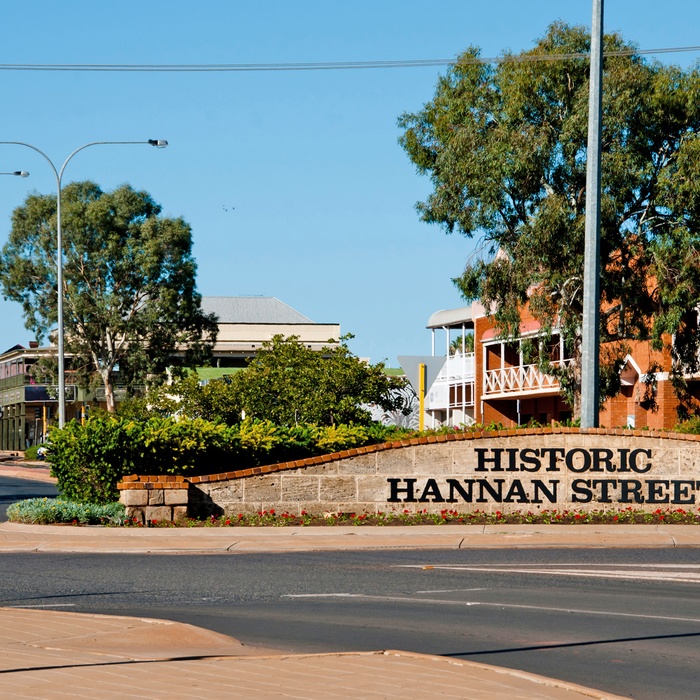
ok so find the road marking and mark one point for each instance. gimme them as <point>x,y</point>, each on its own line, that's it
<point>478,603</point>
<point>45,605</point>
<point>322,595</point>
<point>453,590</point>
<point>632,574</point>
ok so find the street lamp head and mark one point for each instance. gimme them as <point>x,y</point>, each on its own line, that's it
<point>158,143</point>
<point>21,173</point>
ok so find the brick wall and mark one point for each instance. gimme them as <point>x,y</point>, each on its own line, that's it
<point>150,498</point>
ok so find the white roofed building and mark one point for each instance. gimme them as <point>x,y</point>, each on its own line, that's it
<point>246,322</point>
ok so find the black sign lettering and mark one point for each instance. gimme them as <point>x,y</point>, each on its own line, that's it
<point>529,461</point>
<point>396,490</point>
<point>465,493</point>
<point>631,491</point>
<point>633,461</point>
<point>540,488</point>
<point>680,492</point>
<point>655,491</point>
<point>605,485</point>
<point>431,490</point>
<point>581,491</point>
<point>577,466</point>
<point>482,459</point>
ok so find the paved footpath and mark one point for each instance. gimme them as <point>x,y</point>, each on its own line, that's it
<point>49,654</point>
<point>52,655</point>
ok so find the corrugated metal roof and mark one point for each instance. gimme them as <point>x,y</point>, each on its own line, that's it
<point>252,310</point>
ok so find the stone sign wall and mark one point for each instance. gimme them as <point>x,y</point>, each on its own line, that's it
<point>507,471</point>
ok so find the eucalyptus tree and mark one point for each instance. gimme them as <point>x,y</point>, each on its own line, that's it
<point>130,298</point>
<point>505,147</point>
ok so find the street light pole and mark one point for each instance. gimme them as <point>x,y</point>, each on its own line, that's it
<point>590,342</point>
<point>158,143</point>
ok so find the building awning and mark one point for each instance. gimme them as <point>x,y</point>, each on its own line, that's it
<point>451,318</point>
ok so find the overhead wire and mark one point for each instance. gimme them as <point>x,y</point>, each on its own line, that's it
<point>327,65</point>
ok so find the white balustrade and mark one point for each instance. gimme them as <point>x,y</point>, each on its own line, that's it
<point>523,379</point>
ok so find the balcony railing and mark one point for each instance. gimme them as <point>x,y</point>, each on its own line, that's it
<point>454,386</point>
<point>521,380</point>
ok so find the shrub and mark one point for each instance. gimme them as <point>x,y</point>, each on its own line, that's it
<point>335,438</point>
<point>692,426</point>
<point>170,446</point>
<point>89,460</point>
<point>31,452</point>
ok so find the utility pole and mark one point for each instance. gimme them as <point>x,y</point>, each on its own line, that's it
<point>590,360</point>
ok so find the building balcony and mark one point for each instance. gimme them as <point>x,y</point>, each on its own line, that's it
<point>520,381</point>
<point>454,386</point>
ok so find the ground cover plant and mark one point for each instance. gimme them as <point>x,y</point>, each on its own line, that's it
<point>629,516</point>
<point>47,511</point>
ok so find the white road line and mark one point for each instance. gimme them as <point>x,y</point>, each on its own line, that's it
<point>453,590</point>
<point>496,567</point>
<point>46,605</point>
<point>636,574</point>
<point>323,595</point>
<point>477,603</point>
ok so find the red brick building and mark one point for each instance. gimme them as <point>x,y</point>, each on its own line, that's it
<point>495,384</point>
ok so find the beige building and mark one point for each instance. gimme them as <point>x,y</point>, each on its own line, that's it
<point>245,323</point>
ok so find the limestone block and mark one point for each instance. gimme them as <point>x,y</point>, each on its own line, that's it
<point>338,488</point>
<point>354,507</point>
<point>232,510</point>
<point>463,456</point>
<point>309,507</point>
<point>666,460</point>
<point>300,488</point>
<point>320,469</point>
<point>158,513</point>
<point>689,461</point>
<point>179,513</point>
<point>361,464</point>
<point>155,497</point>
<point>434,459</point>
<point>134,512</point>
<point>397,462</point>
<point>176,497</point>
<point>224,491</point>
<point>134,497</point>
<point>262,488</point>
<point>373,489</point>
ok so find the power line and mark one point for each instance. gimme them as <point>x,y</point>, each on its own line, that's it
<point>328,65</point>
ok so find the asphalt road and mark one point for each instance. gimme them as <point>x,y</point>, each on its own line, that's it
<point>13,489</point>
<point>625,621</point>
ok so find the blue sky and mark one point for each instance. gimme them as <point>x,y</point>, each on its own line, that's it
<point>293,182</point>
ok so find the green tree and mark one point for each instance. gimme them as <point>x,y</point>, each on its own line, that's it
<point>216,401</point>
<point>287,383</point>
<point>505,147</point>
<point>131,302</point>
<point>466,341</point>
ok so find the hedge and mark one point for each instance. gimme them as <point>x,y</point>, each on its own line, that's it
<point>88,460</point>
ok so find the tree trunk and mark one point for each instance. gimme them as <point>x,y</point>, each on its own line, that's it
<point>109,390</point>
